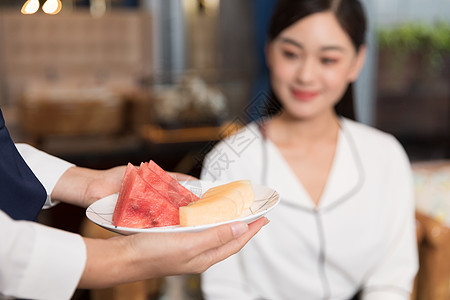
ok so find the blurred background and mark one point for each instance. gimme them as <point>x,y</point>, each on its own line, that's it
<point>107,82</point>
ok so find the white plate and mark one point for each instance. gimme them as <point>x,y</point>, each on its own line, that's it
<point>101,211</point>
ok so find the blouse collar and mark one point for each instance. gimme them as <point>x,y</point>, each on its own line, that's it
<point>344,180</point>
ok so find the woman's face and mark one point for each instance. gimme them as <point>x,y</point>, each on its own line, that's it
<point>311,63</point>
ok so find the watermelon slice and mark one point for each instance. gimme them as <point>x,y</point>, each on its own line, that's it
<point>173,190</point>
<point>149,197</point>
<point>168,186</point>
<point>154,180</point>
<point>140,206</point>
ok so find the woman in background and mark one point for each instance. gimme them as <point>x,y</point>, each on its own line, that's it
<point>345,222</point>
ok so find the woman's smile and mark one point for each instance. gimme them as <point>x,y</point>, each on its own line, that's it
<point>304,95</point>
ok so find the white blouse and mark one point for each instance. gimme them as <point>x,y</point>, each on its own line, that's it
<point>36,261</point>
<point>361,236</point>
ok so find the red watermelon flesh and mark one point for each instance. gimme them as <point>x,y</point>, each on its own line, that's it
<point>177,194</point>
<point>172,190</point>
<point>125,189</point>
<point>153,180</point>
<point>141,206</point>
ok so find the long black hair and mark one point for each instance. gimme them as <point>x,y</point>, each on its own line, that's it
<point>350,15</point>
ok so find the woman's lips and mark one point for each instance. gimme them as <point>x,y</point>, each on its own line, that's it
<point>304,95</point>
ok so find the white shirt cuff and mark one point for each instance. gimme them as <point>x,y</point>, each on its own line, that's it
<point>57,261</point>
<point>47,168</point>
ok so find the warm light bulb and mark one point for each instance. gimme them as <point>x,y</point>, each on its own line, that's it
<point>30,7</point>
<point>52,7</point>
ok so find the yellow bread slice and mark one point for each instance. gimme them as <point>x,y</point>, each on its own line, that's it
<point>243,186</point>
<point>218,204</point>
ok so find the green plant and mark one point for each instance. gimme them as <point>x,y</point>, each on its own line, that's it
<point>431,40</point>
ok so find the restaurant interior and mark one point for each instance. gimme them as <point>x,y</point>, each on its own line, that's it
<point>102,83</point>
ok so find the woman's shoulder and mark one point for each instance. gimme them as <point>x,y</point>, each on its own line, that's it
<point>248,138</point>
<point>235,155</point>
<point>365,134</point>
<point>374,144</point>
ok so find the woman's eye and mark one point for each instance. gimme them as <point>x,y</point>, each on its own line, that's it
<point>328,61</point>
<point>289,54</point>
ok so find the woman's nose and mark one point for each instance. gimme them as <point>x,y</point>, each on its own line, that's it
<point>306,71</point>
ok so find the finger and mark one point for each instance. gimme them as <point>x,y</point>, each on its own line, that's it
<point>239,231</point>
<point>217,236</point>
<point>233,246</point>
<point>253,228</point>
